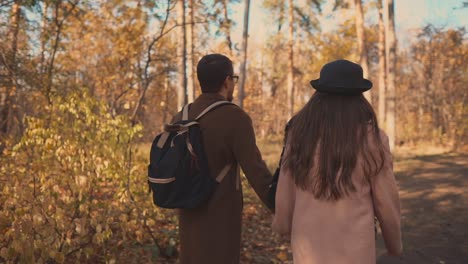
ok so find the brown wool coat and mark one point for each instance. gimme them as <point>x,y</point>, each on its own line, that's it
<point>212,232</point>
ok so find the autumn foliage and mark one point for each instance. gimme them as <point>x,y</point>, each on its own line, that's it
<point>86,85</point>
<point>72,188</point>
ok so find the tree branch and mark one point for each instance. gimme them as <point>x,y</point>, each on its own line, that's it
<point>59,25</point>
<point>146,81</point>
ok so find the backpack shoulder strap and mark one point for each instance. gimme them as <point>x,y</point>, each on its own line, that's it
<point>223,173</point>
<point>165,135</point>
<point>185,112</point>
<point>211,107</point>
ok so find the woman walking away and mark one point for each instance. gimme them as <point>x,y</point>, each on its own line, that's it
<point>337,174</point>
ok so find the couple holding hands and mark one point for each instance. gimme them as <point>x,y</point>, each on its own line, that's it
<point>335,175</point>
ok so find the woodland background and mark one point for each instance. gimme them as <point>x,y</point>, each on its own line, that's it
<point>86,85</point>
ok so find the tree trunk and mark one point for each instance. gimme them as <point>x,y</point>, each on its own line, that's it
<point>361,36</point>
<point>182,54</point>
<point>391,57</point>
<point>14,30</point>
<point>382,64</point>
<point>45,8</point>
<point>190,71</point>
<point>8,99</point>
<point>166,99</point>
<point>290,86</point>
<point>243,67</point>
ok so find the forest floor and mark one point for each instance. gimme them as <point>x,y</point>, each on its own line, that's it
<point>434,198</point>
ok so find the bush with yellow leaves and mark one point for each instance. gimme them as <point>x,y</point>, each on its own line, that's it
<point>74,189</point>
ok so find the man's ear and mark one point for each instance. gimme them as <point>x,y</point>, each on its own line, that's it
<point>225,83</point>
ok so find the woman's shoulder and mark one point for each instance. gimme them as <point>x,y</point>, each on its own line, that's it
<point>383,135</point>
<point>377,138</point>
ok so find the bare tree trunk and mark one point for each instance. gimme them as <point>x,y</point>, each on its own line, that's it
<point>391,57</point>
<point>361,36</point>
<point>190,38</point>
<point>243,67</point>
<point>182,54</point>
<point>13,34</point>
<point>166,99</point>
<point>290,86</point>
<point>382,65</point>
<point>9,99</point>
<point>45,8</point>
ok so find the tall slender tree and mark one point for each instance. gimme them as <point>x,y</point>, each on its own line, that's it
<point>8,99</point>
<point>391,63</point>
<point>290,86</point>
<point>190,58</point>
<point>45,10</point>
<point>382,64</point>
<point>361,36</point>
<point>182,54</point>
<point>243,67</point>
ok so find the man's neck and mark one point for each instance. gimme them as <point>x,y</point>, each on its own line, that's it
<point>223,93</point>
<point>219,94</point>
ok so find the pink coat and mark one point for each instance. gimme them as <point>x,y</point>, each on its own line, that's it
<point>341,231</point>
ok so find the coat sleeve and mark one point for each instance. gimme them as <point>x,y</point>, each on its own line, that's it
<point>284,202</point>
<point>387,202</point>
<point>248,156</point>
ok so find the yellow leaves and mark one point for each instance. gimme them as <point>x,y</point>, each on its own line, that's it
<point>4,253</point>
<point>81,180</point>
<point>57,256</point>
<point>49,144</point>
<point>78,228</point>
<point>139,235</point>
<point>98,238</point>
<point>282,255</point>
<point>151,222</point>
<point>123,218</point>
<point>81,226</point>
<point>38,219</point>
<point>60,258</point>
<point>17,245</point>
<point>64,179</point>
<point>8,253</point>
<point>26,226</point>
<point>99,228</point>
<point>4,222</point>
<point>132,225</point>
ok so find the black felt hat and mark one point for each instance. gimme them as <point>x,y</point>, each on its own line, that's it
<point>341,77</point>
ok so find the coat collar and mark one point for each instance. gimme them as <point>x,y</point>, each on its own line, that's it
<point>210,97</point>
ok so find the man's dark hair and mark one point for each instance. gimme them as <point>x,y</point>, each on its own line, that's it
<point>212,70</point>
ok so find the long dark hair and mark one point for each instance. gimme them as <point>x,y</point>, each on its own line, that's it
<point>335,128</point>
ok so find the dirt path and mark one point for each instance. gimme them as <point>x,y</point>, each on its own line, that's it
<point>434,196</point>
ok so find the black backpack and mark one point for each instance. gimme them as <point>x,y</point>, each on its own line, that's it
<point>178,173</point>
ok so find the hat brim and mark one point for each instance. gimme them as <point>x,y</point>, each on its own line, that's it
<point>363,86</point>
